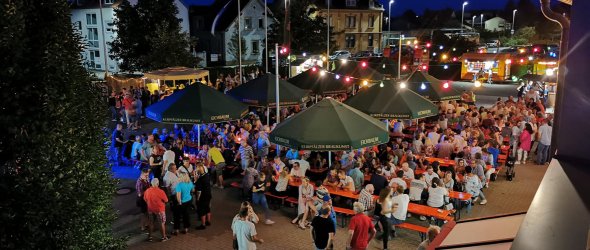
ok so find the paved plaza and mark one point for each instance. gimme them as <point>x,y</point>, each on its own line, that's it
<point>503,196</point>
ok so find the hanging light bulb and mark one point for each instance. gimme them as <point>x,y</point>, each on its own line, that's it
<point>365,83</point>
<point>446,85</point>
<point>402,85</point>
<point>404,67</point>
<point>477,84</point>
<point>337,77</point>
<point>441,47</point>
<point>446,66</point>
<point>423,86</point>
<point>314,69</point>
<point>347,79</point>
<point>344,61</point>
<point>322,72</point>
<point>383,65</point>
<point>433,53</point>
<point>381,85</point>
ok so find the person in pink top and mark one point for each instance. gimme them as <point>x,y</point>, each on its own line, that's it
<point>525,144</point>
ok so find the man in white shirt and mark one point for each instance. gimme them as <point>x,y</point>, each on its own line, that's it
<point>297,171</point>
<point>346,182</point>
<point>168,158</point>
<point>400,201</point>
<point>398,181</point>
<point>408,172</point>
<point>429,175</point>
<point>303,163</point>
<point>544,134</point>
<point>244,232</point>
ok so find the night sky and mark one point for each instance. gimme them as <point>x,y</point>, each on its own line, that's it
<point>400,6</point>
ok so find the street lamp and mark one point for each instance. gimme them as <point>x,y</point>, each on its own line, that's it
<point>265,36</point>
<point>513,19</point>
<point>463,13</point>
<point>481,21</point>
<point>389,23</point>
<point>240,41</point>
<point>399,57</point>
<point>328,20</point>
<point>278,115</point>
<point>473,22</point>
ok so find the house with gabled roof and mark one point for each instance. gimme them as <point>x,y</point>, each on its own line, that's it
<point>215,25</point>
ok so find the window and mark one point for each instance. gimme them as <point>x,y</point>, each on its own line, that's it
<point>370,42</point>
<point>350,3</point>
<point>371,21</point>
<point>93,37</point>
<point>350,41</point>
<point>261,23</point>
<point>91,19</point>
<point>247,23</point>
<point>350,21</point>
<point>255,47</point>
<point>109,1</point>
<point>94,54</point>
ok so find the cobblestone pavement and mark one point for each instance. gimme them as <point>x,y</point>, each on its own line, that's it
<point>503,197</point>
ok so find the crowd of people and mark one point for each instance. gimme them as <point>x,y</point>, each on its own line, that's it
<point>182,173</point>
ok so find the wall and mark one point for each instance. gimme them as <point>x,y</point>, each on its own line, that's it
<point>573,131</point>
<point>254,11</point>
<point>361,30</point>
<point>182,14</point>
<point>79,20</point>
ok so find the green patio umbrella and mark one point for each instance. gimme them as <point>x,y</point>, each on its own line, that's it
<point>320,83</point>
<point>329,125</point>
<point>388,101</point>
<point>261,92</point>
<point>196,104</point>
<point>431,88</point>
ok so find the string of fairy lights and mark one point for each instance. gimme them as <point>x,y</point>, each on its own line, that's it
<point>364,82</point>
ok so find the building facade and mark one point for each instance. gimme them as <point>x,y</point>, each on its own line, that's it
<point>94,19</point>
<point>215,26</point>
<point>357,24</point>
<point>496,24</point>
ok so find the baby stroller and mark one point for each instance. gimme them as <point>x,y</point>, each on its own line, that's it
<point>510,168</point>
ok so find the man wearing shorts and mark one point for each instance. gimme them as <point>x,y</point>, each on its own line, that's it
<point>214,155</point>
<point>156,202</point>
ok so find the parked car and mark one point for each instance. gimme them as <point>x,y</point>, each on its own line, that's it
<point>363,54</point>
<point>340,54</point>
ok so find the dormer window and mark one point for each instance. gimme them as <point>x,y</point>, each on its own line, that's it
<point>350,3</point>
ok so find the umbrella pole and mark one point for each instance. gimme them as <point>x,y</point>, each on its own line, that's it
<point>268,115</point>
<point>329,158</point>
<point>316,98</point>
<point>387,125</point>
<point>199,135</point>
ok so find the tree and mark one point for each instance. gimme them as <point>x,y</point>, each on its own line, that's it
<point>234,47</point>
<point>56,189</point>
<point>138,26</point>
<point>308,28</point>
<point>521,37</point>
<point>168,48</point>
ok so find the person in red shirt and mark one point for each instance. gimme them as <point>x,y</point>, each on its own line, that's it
<point>360,230</point>
<point>156,202</point>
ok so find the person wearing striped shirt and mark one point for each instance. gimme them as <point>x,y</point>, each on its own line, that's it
<point>246,154</point>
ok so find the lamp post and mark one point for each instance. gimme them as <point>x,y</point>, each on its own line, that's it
<point>399,57</point>
<point>462,14</point>
<point>240,41</point>
<point>513,19</point>
<point>481,22</point>
<point>389,23</point>
<point>266,36</point>
<point>278,115</point>
<point>473,22</point>
<point>328,33</point>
